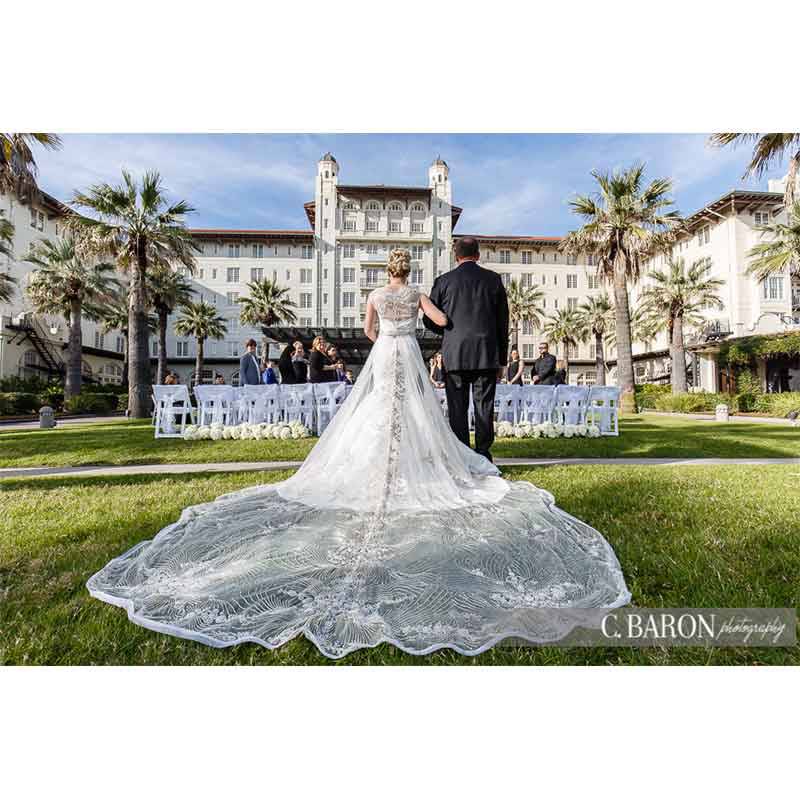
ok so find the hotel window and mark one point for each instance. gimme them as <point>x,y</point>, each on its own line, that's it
<point>374,275</point>
<point>305,276</point>
<point>348,299</point>
<point>505,256</point>
<point>555,280</point>
<point>417,252</point>
<point>395,207</point>
<point>527,327</point>
<point>257,274</point>
<point>528,351</point>
<point>37,219</point>
<point>773,288</point>
<point>544,279</point>
<point>372,226</point>
<point>181,348</point>
<point>572,303</point>
<point>348,322</point>
<point>305,322</point>
<point>441,252</point>
<point>325,274</point>
<point>154,347</point>
<point>394,227</point>
<point>526,280</point>
<point>288,275</point>
<point>590,260</point>
<point>232,298</point>
<point>348,251</point>
<point>350,224</point>
<point>274,275</point>
<point>289,250</point>
<point>258,251</point>
<point>234,348</point>
<point>592,351</point>
<point>201,273</point>
<point>417,276</point>
<point>233,275</point>
<point>120,344</point>
<point>416,227</point>
<point>373,206</point>
<point>349,205</point>
<point>349,275</point>
<point>555,258</point>
<point>232,324</point>
<point>324,298</point>
<point>233,251</point>
<point>440,226</point>
<point>572,351</point>
<point>703,235</point>
<point>761,218</point>
<point>544,302</point>
<point>572,260</point>
<point>592,282</point>
<point>213,274</point>
<point>99,340</point>
<point>325,223</point>
<point>527,257</point>
<point>572,281</point>
<point>506,278</point>
<point>371,249</point>
<point>276,250</point>
<point>305,300</point>
<point>555,303</point>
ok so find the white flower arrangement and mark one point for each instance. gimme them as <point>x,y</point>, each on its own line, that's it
<point>264,430</point>
<point>544,430</point>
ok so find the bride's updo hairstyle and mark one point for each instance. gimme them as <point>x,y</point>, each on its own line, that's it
<point>399,264</point>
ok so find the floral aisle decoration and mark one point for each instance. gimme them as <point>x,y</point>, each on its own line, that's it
<point>544,430</point>
<point>263,430</point>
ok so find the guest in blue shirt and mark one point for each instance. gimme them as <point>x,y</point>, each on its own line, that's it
<point>268,376</point>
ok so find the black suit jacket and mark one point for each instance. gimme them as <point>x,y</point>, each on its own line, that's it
<point>545,368</point>
<point>476,334</point>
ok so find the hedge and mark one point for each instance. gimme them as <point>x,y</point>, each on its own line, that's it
<point>91,403</point>
<point>778,404</point>
<point>13,403</point>
<point>695,402</point>
<point>648,393</point>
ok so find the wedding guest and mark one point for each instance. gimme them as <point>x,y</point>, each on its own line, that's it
<point>544,368</point>
<point>169,380</point>
<point>320,367</point>
<point>437,371</point>
<point>285,365</point>
<point>348,377</point>
<point>269,375</point>
<point>560,375</point>
<point>514,369</point>
<point>300,363</point>
<point>249,369</point>
<point>219,380</point>
<point>333,355</point>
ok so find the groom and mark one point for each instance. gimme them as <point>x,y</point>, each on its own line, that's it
<point>474,341</point>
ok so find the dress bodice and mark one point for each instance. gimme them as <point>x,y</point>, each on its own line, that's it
<point>398,309</point>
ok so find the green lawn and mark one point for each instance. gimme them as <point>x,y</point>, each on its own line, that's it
<point>692,536</point>
<point>647,436</point>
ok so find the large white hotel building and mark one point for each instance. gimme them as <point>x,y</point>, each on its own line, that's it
<point>330,267</point>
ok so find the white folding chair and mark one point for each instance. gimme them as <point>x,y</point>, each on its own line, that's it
<point>328,398</point>
<point>171,402</point>
<point>215,404</point>
<point>506,403</point>
<point>297,403</point>
<point>255,402</point>
<point>571,404</point>
<point>603,409</point>
<point>537,403</point>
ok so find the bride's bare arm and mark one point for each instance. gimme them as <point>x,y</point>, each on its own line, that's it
<point>369,322</point>
<point>431,311</point>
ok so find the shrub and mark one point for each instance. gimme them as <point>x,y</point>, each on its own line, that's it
<point>52,396</point>
<point>27,385</point>
<point>122,402</point>
<point>13,403</point>
<point>779,404</point>
<point>648,393</point>
<point>91,403</point>
<point>695,402</point>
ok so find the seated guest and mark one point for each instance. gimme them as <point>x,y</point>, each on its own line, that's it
<point>249,369</point>
<point>170,380</point>
<point>437,371</point>
<point>300,363</point>
<point>219,380</point>
<point>320,368</point>
<point>544,368</point>
<point>269,376</point>
<point>560,375</point>
<point>348,377</point>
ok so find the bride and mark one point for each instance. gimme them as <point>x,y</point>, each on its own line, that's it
<point>391,531</point>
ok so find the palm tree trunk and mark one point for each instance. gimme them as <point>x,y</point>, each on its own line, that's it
<point>264,349</point>
<point>162,344</point>
<point>624,349</point>
<point>599,359</point>
<point>678,358</point>
<point>139,352</point>
<point>125,360</point>
<point>72,384</point>
<point>198,364</point>
<point>791,177</point>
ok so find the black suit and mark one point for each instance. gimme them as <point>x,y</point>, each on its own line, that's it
<point>545,368</point>
<point>474,345</point>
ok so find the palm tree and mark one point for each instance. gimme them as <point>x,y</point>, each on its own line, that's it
<point>267,304</point>
<point>782,251</point>
<point>17,165</point>
<point>565,326</point>
<point>7,280</point>
<point>64,283</point>
<point>201,321</point>
<point>769,147</point>
<point>168,289</point>
<point>113,315</point>
<point>596,317</point>
<point>523,304</point>
<point>625,222</point>
<point>137,226</point>
<point>673,300</point>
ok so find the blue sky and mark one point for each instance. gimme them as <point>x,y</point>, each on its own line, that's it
<point>506,184</point>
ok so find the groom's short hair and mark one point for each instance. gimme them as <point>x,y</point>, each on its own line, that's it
<point>467,248</point>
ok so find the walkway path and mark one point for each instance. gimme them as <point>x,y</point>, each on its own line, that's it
<point>267,466</point>
<point>32,424</point>
<point>712,418</point>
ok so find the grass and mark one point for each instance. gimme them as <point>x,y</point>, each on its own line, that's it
<point>647,436</point>
<point>686,537</point>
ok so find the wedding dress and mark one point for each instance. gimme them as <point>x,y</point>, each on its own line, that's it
<point>391,531</point>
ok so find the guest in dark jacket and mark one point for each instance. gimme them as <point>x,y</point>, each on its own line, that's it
<point>560,375</point>
<point>249,368</point>
<point>285,365</point>
<point>333,355</point>
<point>544,368</point>
<point>300,363</point>
<point>320,368</point>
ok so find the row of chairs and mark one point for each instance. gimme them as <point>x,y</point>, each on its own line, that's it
<point>566,405</point>
<point>312,404</point>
